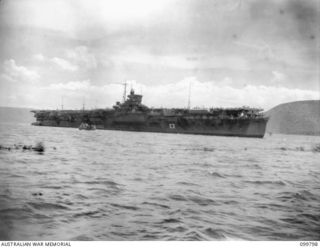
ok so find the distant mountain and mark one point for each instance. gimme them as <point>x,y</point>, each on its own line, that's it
<point>302,117</point>
<point>16,115</point>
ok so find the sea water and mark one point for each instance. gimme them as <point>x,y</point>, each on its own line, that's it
<point>115,185</point>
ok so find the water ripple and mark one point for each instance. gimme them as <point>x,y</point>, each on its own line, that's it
<point>109,185</point>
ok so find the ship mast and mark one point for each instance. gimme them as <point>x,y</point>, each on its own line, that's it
<point>62,103</point>
<point>124,96</point>
<point>189,95</point>
<point>124,92</point>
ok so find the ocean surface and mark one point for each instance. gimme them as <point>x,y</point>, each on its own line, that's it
<point>113,185</point>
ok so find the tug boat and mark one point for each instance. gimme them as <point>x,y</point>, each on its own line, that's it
<point>86,126</point>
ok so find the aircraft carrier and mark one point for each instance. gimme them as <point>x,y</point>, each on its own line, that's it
<point>132,115</point>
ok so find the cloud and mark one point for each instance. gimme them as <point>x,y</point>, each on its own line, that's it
<point>271,44</point>
<point>76,16</point>
<point>74,59</point>
<point>64,64</point>
<point>81,56</point>
<point>210,94</point>
<point>61,63</point>
<point>278,77</point>
<point>16,73</point>
<point>204,94</point>
<point>180,61</point>
<point>71,86</point>
<point>39,57</point>
<point>175,95</point>
<point>261,48</point>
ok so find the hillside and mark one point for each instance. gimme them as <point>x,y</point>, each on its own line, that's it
<point>302,117</point>
<point>16,115</point>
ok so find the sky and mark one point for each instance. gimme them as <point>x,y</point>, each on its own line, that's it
<point>230,53</point>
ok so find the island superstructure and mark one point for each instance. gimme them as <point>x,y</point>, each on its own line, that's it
<point>132,115</point>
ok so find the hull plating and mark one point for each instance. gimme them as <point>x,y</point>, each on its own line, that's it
<point>228,127</point>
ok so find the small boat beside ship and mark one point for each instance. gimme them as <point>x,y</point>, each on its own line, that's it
<point>86,126</point>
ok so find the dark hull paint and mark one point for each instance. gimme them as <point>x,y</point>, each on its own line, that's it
<point>254,128</point>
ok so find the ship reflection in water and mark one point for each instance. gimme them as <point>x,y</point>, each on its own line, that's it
<point>132,115</point>
<point>110,185</point>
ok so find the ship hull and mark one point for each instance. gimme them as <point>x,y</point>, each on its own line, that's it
<point>254,128</point>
